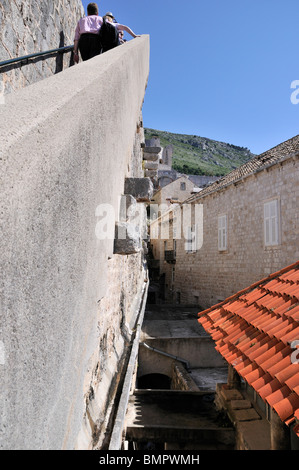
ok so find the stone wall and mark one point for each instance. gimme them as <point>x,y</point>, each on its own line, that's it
<point>30,26</point>
<point>181,379</point>
<point>68,301</point>
<point>207,276</point>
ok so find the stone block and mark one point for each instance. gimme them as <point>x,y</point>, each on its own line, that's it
<point>245,415</point>
<point>151,173</point>
<point>140,188</point>
<point>152,149</point>
<point>231,394</point>
<point>127,239</point>
<point>151,165</point>
<point>153,157</point>
<point>240,404</point>
<point>128,207</point>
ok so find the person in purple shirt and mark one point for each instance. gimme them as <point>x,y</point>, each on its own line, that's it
<point>86,34</point>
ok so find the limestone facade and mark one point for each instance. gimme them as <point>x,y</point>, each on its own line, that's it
<point>177,191</point>
<point>28,27</point>
<point>234,249</point>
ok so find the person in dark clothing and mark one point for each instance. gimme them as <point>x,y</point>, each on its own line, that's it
<point>114,39</point>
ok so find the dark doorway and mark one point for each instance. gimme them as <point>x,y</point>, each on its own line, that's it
<point>154,381</point>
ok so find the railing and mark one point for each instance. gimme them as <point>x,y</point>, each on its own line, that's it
<point>26,59</point>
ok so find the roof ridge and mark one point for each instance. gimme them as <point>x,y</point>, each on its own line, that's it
<point>255,164</point>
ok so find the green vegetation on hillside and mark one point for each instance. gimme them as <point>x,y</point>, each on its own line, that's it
<point>194,155</point>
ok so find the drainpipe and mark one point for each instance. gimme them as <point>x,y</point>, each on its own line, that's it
<point>179,359</point>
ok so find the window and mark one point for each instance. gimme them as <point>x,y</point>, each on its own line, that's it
<point>190,244</point>
<point>271,227</point>
<point>183,186</point>
<point>222,233</point>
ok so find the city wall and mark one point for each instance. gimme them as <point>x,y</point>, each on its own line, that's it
<point>68,301</point>
<point>28,27</point>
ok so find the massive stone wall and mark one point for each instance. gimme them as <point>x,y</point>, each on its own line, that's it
<point>68,300</point>
<point>30,26</point>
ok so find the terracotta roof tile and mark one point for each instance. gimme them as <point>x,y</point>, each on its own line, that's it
<point>280,394</point>
<point>269,388</point>
<point>293,382</point>
<point>287,407</point>
<point>254,330</point>
<point>262,381</point>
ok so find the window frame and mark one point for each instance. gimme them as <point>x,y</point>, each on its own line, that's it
<point>271,223</point>
<point>191,242</point>
<point>222,232</point>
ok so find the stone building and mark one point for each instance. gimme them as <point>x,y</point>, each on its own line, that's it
<point>247,228</point>
<point>177,191</point>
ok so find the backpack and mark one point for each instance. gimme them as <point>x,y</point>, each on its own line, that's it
<point>108,36</point>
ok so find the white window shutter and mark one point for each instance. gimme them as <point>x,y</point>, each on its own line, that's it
<point>222,233</point>
<point>271,232</point>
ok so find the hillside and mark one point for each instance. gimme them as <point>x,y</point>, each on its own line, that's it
<point>196,155</point>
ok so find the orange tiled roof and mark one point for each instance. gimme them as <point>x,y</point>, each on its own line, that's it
<point>255,331</point>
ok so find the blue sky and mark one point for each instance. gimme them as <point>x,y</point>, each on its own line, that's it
<point>219,69</point>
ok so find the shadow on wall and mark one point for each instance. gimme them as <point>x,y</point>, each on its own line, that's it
<point>59,58</point>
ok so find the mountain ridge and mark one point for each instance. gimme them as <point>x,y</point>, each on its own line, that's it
<point>196,155</point>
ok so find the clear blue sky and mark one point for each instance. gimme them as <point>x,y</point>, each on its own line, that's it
<point>219,69</point>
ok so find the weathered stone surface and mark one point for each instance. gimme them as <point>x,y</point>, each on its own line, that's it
<point>152,150</point>
<point>231,394</point>
<point>28,27</point>
<point>140,188</point>
<point>128,207</point>
<point>151,166</point>
<point>245,415</point>
<point>240,404</point>
<point>151,173</point>
<point>151,156</point>
<point>62,337</point>
<point>127,239</point>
